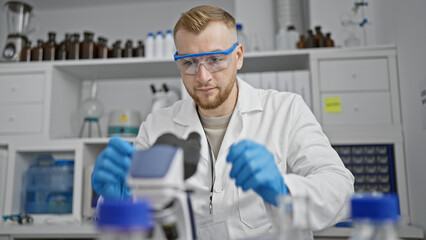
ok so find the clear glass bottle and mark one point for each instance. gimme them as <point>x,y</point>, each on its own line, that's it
<point>122,220</point>
<point>375,216</point>
<point>292,220</point>
<point>50,47</point>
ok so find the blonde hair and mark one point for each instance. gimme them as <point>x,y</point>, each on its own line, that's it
<point>197,19</point>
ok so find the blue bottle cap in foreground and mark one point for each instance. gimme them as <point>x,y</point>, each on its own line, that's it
<point>375,207</point>
<point>124,215</point>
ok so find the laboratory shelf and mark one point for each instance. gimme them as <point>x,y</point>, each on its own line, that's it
<point>126,68</point>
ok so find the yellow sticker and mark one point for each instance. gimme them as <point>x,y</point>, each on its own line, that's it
<point>332,105</point>
<point>123,118</point>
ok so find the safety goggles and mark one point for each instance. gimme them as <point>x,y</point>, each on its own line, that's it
<point>212,61</point>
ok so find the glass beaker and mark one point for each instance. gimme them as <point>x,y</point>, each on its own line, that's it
<point>292,219</point>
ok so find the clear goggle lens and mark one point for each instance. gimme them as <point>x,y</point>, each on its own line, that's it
<point>212,63</point>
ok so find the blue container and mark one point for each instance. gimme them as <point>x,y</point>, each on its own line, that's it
<point>49,186</point>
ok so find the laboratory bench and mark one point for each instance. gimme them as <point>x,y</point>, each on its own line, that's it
<point>88,231</point>
<point>353,92</point>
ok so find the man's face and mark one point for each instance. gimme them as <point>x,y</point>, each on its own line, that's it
<point>210,90</point>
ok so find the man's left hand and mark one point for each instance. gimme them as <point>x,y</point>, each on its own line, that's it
<point>253,167</point>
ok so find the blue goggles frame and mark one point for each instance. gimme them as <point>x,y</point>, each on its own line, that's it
<point>226,52</point>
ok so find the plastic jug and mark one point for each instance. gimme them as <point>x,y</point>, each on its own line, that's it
<point>49,186</point>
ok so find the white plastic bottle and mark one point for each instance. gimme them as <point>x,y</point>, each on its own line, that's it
<point>292,37</point>
<point>121,220</point>
<point>242,37</point>
<point>159,45</point>
<point>149,46</point>
<point>169,45</point>
<point>281,39</point>
<point>375,216</point>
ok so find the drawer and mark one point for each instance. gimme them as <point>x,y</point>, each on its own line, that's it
<point>21,118</point>
<point>358,109</point>
<point>363,74</point>
<point>21,88</point>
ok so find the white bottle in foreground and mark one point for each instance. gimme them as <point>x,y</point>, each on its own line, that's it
<point>169,45</point>
<point>149,46</point>
<point>242,37</point>
<point>375,216</point>
<point>159,45</point>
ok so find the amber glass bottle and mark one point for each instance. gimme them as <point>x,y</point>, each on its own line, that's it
<point>310,40</point>
<point>102,48</point>
<point>74,52</point>
<point>49,48</point>
<point>26,53</point>
<point>116,50</point>
<point>37,51</point>
<point>128,49</point>
<point>87,46</point>
<point>139,50</point>
<point>301,43</point>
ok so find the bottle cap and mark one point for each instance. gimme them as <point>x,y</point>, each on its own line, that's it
<point>159,33</point>
<point>150,34</point>
<point>124,215</point>
<point>169,31</point>
<point>239,26</point>
<point>375,207</point>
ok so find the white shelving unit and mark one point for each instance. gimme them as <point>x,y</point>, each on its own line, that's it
<point>60,97</point>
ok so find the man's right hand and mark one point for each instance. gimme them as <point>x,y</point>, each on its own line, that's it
<point>109,173</point>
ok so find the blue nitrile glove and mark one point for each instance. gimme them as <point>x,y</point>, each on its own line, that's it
<point>109,173</point>
<point>253,167</point>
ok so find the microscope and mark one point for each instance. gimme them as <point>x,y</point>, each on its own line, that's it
<point>158,174</point>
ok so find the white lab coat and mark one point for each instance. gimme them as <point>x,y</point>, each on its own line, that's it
<point>285,125</point>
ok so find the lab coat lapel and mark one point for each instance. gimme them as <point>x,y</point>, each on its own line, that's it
<point>187,117</point>
<point>248,101</point>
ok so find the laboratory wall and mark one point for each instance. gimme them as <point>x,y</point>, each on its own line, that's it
<point>115,20</point>
<point>400,23</point>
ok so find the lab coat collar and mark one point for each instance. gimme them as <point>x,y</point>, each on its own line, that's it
<point>248,101</point>
<point>248,98</point>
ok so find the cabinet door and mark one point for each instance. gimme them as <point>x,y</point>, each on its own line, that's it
<point>21,118</point>
<point>358,109</point>
<point>21,88</point>
<point>362,74</point>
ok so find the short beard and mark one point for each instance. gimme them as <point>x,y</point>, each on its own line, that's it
<point>219,100</point>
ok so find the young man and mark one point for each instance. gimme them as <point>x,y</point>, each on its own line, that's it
<point>256,144</point>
